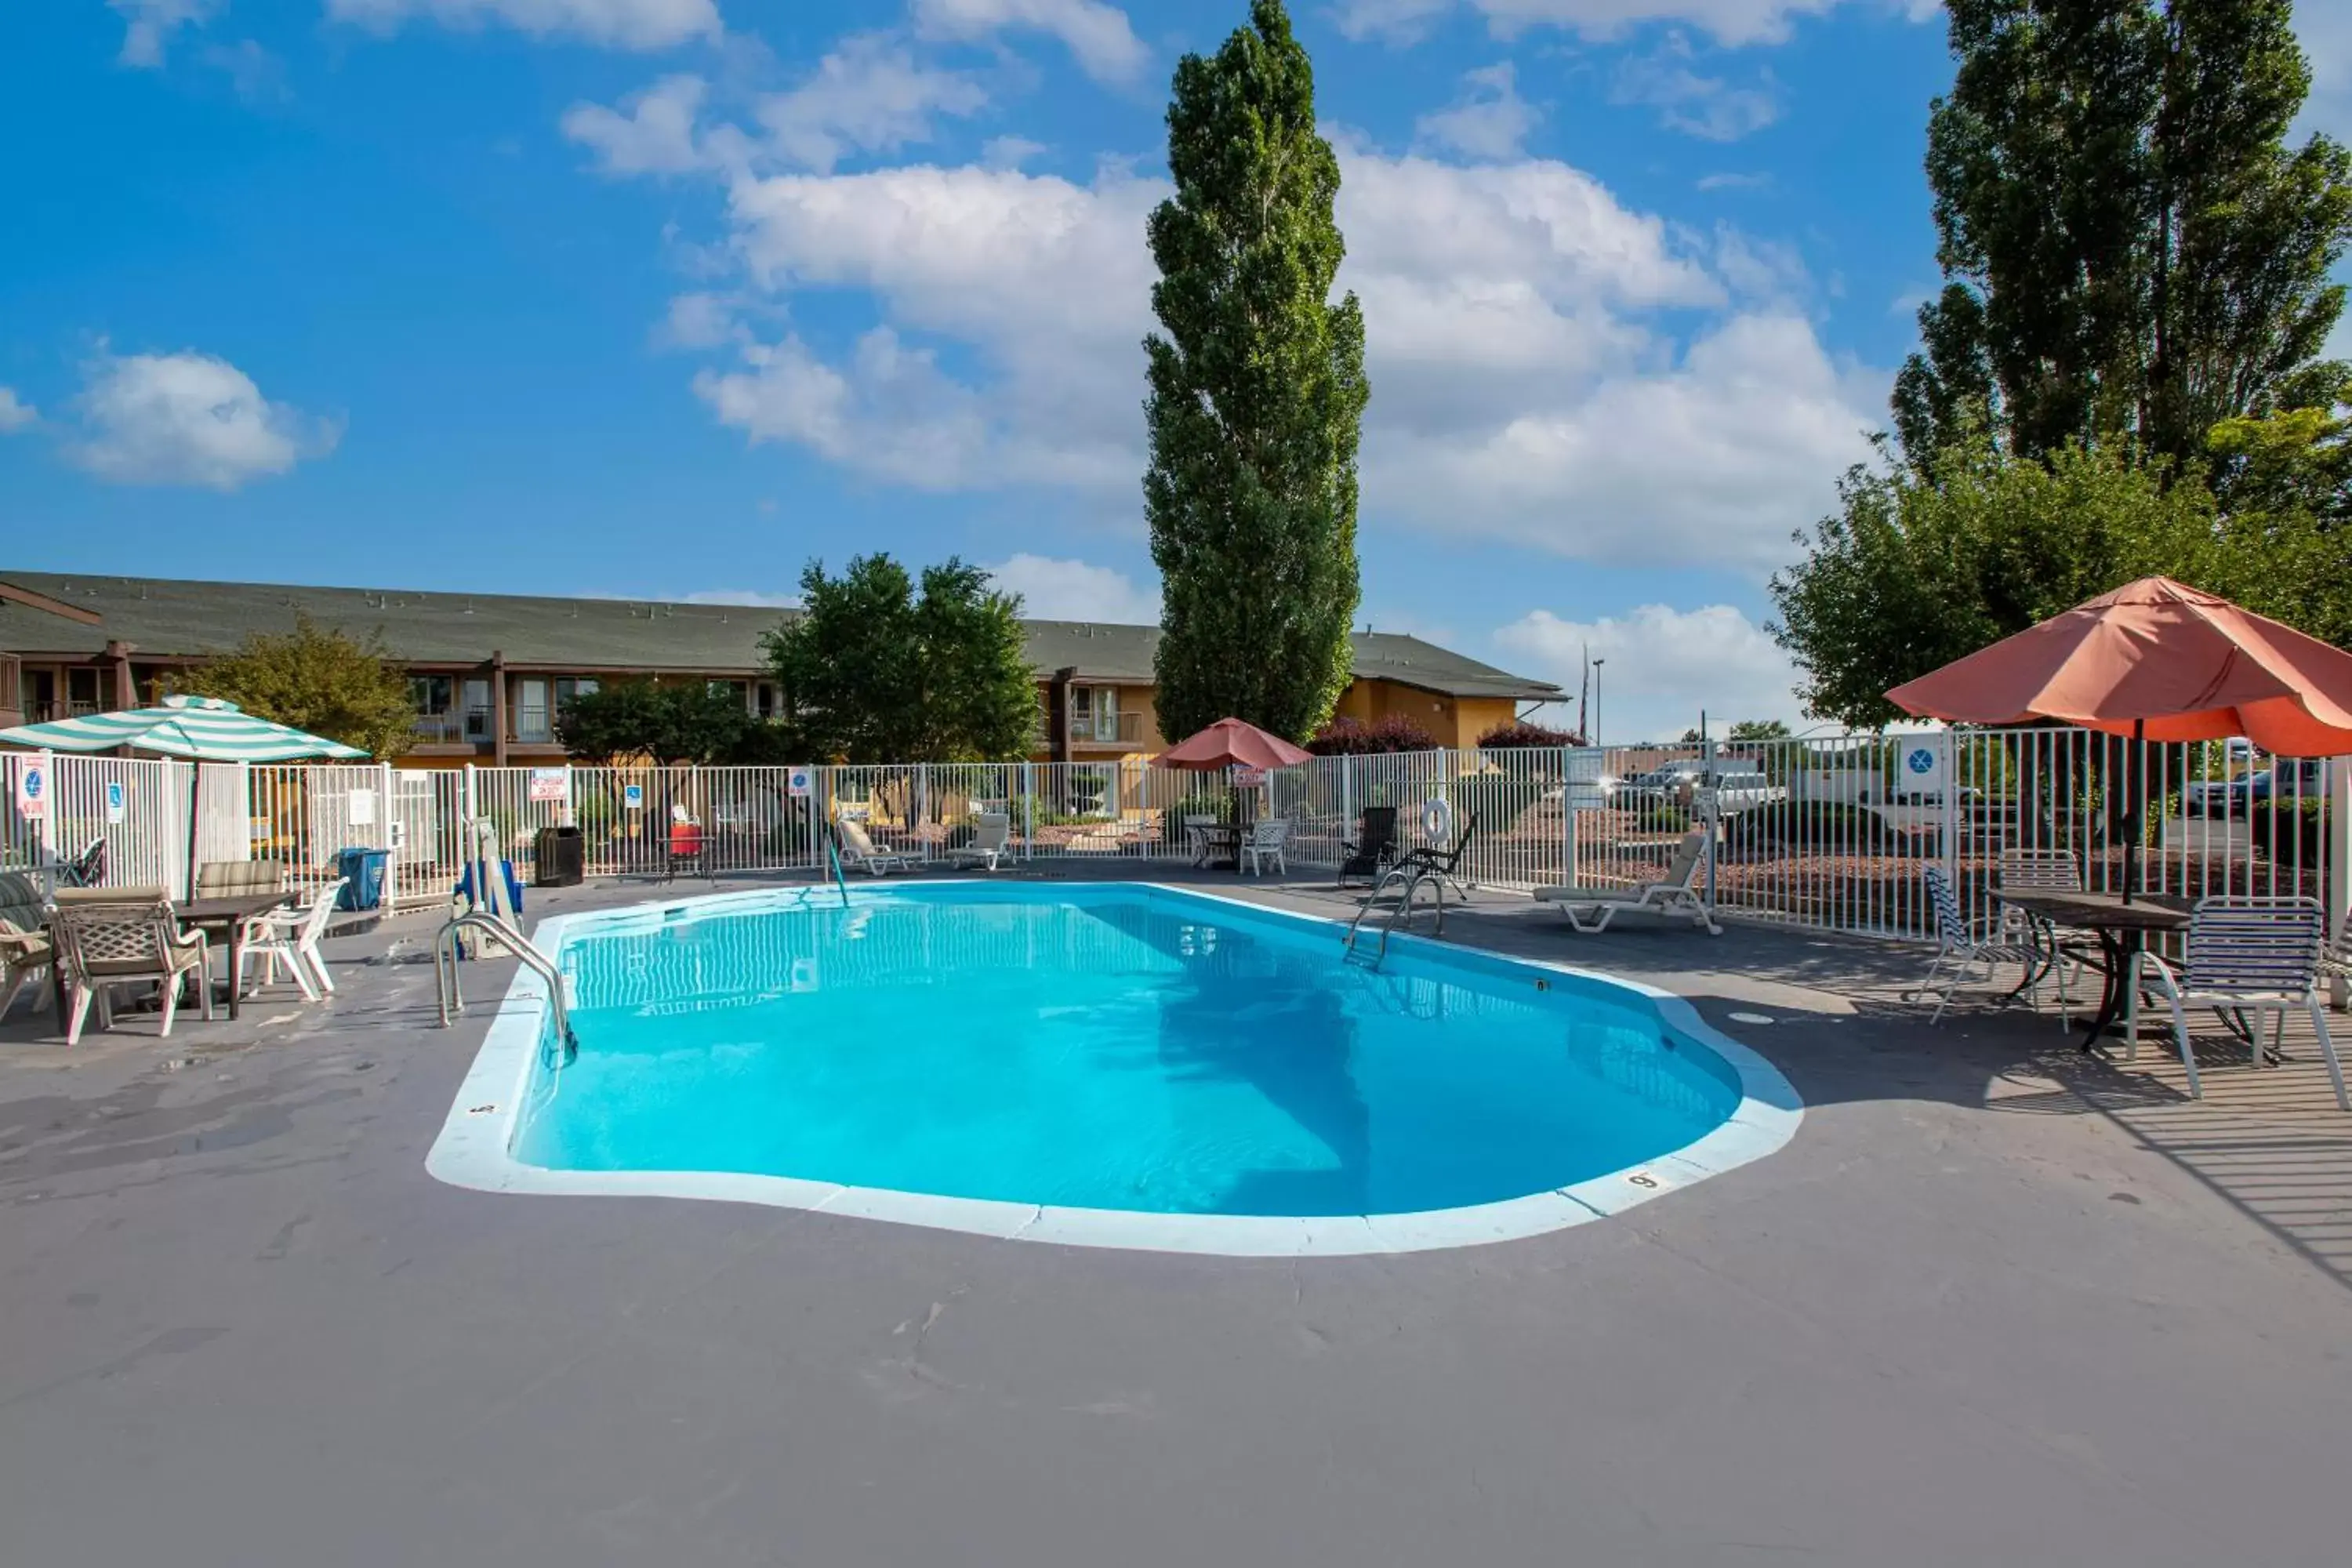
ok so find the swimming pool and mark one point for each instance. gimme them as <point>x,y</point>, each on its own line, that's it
<point>1116,1064</point>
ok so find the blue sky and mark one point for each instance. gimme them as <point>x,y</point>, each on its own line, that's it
<point>664,297</point>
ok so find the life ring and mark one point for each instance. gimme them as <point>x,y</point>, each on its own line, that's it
<point>1437,819</point>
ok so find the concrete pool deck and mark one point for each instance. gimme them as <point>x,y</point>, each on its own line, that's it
<point>1997,1302</point>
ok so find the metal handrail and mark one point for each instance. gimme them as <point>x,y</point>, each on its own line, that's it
<point>451,994</point>
<point>1415,877</point>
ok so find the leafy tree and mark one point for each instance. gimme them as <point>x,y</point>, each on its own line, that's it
<point>2130,244</point>
<point>321,679</point>
<point>689,722</point>
<point>1914,572</point>
<point>1257,392</point>
<point>873,672</point>
<point>2294,460</point>
<point>1759,730</point>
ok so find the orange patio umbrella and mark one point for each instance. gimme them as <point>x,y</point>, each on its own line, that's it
<point>2156,660</point>
<point>1231,744</point>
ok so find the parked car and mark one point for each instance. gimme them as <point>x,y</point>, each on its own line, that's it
<point>1740,789</point>
<point>2287,777</point>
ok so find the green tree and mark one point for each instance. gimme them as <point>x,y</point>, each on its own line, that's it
<point>1257,395</point>
<point>685,723</point>
<point>1759,730</point>
<point>2293,460</point>
<point>871,672</point>
<point>1915,570</point>
<point>321,679</point>
<point>2128,243</point>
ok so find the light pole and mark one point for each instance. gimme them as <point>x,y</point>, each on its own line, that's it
<point>1594,738</point>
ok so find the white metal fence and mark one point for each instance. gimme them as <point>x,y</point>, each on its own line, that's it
<point>1821,831</point>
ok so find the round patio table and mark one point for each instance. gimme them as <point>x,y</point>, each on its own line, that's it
<point>2122,928</point>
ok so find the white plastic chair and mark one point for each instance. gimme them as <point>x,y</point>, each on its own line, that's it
<point>858,851</point>
<point>1264,846</point>
<point>1963,945</point>
<point>291,937</point>
<point>992,837</point>
<point>2257,955</point>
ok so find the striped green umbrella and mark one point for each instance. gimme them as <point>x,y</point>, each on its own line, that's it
<point>198,728</point>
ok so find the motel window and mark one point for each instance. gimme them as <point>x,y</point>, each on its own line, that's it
<point>430,693</point>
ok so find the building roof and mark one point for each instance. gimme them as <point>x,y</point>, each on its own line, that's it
<point>165,619</point>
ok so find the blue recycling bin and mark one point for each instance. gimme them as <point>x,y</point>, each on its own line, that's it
<point>363,871</point>
<point>507,870</point>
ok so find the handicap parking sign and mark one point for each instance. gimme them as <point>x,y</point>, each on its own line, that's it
<point>633,797</point>
<point>114,800</point>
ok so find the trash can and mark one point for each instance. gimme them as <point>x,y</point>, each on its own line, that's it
<point>506,872</point>
<point>562,858</point>
<point>362,873</point>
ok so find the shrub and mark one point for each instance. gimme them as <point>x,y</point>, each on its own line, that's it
<point>1811,826</point>
<point>2292,830</point>
<point>1520,732</point>
<point>1348,738</point>
<point>1662,816</point>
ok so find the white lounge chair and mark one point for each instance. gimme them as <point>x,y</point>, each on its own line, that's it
<point>990,841</point>
<point>2252,956</point>
<point>858,851</point>
<point>291,937</point>
<point>1678,893</point>
<point>1264,846</point>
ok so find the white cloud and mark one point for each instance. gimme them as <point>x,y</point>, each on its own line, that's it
<point>617,24</point>
<point>1008,151</point>
<point>187,418</point>
<point>150,25</point>
<point>1490,120</point>
<point>1096,34</point>
<point>1664,667</point>
<point>1729,22</point>
<point>1703,106</point>
<point>656,136</point>
<point>2325,30</point>
<point>15,414</point>
<point>697,320</point>
<point>868,96</point>
<point>1548,365</point>
<point>742,596</point>
<point>1735,182</point>
<point>257,74</point>
<point>1053,589</point>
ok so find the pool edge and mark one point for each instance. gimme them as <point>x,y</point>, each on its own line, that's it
<point>471,1150</point>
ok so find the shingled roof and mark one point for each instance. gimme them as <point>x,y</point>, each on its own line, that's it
<point>167,618</point>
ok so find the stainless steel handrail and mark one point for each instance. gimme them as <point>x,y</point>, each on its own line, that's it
<point>1414,877</point>
<point>450,990</point>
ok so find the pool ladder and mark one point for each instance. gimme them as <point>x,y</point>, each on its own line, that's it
<point>1408,877</point>
<point>499,929</point>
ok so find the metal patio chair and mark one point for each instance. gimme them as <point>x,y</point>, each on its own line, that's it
<point>2257,955</point>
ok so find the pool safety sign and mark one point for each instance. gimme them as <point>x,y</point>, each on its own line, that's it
<point>115,801</point>
<point>633,797</point>
<point>32,788</point>
<point>799,781</point>
<point>551,785</point>
<point>1925,766</point>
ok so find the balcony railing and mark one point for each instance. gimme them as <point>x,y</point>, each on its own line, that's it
<point>1107,729</point>
<point>466,727</point>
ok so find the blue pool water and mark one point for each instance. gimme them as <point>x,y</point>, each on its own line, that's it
<point>1105,1048</point>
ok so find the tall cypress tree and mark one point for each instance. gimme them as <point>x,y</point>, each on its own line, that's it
<point>1257,392</point>
<point>2130,244</point>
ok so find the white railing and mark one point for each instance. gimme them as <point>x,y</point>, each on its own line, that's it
<point>1828,832</point>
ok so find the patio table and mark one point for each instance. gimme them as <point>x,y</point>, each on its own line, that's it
<point>1221,847</point>
<point>228,918</point>
<point>2122,928</point>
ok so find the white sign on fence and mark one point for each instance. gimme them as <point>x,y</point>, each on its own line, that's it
<point>798,782</point>
<point>116,802</point>
<point>1925,767</point>
<point>633,797</point>
<point>551,785</point>
<point>32,788</point>
<point>360,808</point>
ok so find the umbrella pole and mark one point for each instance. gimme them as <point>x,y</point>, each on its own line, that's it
<point>2135,817</point>
<point>195,799</point>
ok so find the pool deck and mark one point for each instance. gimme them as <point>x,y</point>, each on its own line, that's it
<point>1997,1303</point>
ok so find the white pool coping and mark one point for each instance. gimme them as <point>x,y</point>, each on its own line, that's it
<point>474,1147</point>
